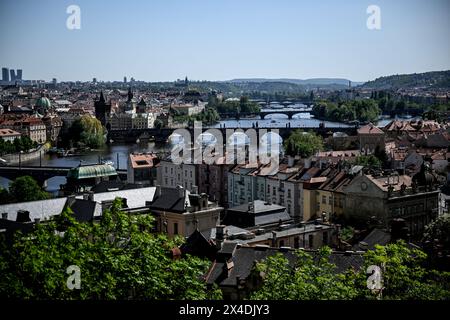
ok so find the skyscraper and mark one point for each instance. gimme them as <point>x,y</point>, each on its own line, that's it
<point>5,74</point>
<point>13,75</point>
<point>19,74</point>
<point>124,79</point>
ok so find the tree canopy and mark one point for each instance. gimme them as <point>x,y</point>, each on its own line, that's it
<point>403,276</point>
<point>87,131</point>
<point>23,188</point>
<point>118,258</point>
<point>360,110</point>
<point>304,144</point>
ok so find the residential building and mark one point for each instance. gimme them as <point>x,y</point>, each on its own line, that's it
<point>371,138</point>
<point>179,212</point>
<point>381,199</point>
<point>256,213</point>
<point>9,135</point>
<point>170,175</point>
<point>142,168</point>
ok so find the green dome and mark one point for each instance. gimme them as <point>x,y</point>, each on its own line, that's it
<point>43,102</point>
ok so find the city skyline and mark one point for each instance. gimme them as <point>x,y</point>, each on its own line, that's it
<point>164,41</point>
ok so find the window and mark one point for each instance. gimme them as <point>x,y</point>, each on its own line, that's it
<point>166,169</point>
<point>175,228</point>
<point>296,242</point>
<point>289,193</point>
<point>324,200</point>
<point>325,238</point>
<point>311,241</point>
<point>171,170</point>
<point>274,191</point>
<point>281,243</point>
<point>330,201</point>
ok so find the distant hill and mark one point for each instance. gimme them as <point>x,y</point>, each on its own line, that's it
<point>427,80</point>
<point>308,82</point>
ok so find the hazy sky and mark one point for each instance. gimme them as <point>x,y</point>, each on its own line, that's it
<point>159,40</point>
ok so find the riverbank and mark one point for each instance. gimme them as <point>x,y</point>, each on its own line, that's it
<point>17,158</point>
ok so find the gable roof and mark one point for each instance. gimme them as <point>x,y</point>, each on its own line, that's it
<point>370,129</point>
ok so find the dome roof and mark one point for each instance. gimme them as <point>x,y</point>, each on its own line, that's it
<point>43,102</point>
<point>92,171</point>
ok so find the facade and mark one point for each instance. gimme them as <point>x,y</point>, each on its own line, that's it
<point>53,124</point>
<point>381,199</point>
<point>371,138</point>
<point>142,120</point>
<point>142,169</point>
<point>170,175</point>
<point>34,128</point>
<point>9,135</point>
<point>179,212</point>
<point>120,121</point>
<point>214,182</point>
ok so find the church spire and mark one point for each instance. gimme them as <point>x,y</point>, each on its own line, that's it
<point>130,94</point>
<point>102,98</point>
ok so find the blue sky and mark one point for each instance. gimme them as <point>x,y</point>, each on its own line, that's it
<point>161,40</point>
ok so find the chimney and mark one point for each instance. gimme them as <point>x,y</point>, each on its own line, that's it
<point>290,161</point>
<point>274,239</point>
<point>194,190</point>
<point>91,196</point>
<point>251,207</point>
<point>219,236</point>
<point>85,196</point>
<point>203,201</point>
<point>181,192</point>
<point>158,191</point>
<point>307,163</point>
<point>23,216</point>
<point>37,220</point>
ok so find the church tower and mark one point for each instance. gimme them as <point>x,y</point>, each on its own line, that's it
<point>102,109</point>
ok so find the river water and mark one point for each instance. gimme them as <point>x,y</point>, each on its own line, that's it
<point>118,153</point>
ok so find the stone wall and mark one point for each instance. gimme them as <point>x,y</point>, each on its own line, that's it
<point>15,158</point>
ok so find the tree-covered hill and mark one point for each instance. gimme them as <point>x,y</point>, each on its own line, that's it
<point>431,80</point>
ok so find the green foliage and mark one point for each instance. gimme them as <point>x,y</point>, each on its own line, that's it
<point>24,143</point>
<point>347,233</point>
<point>361,110</point>
<point>302,143</point>
<point>308,279</point>
<point>369,161</point>
<point>244,105</point>
<point>439,231</point>
<point>87,131</point>
<point>23,188</point>
<point>403,277</point>
<point>119,258</point>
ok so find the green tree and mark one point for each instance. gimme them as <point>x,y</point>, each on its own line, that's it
<point>119,258</point>
<point>369,161</point>
<point>87,131</point>
<point>402,269</point>
<point>304,144</point>
<point>307,279</point>
<point>26,189</point>
<point>404,275</point>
